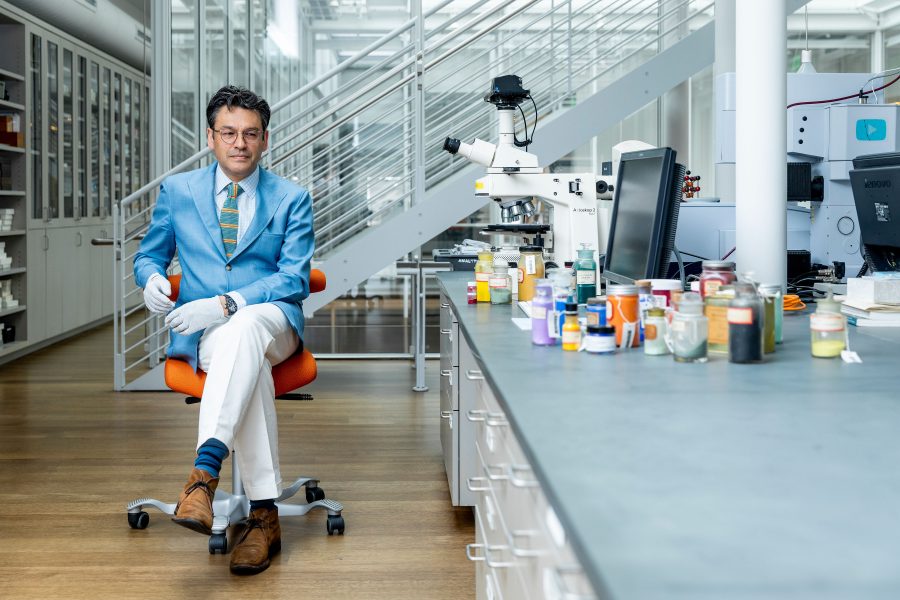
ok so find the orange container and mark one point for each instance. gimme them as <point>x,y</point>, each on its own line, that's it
<point>622,313</point>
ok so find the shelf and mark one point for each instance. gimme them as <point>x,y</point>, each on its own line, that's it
<point>8,104</point>
<point>12,232</point>
<point>11,311</point>
<point>5,148</point>
<point>4,74</point>
<point>12,192</point>
<point>13,271</point>
<point>11,347</point>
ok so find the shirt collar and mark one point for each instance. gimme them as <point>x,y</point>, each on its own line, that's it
<point>248,185</point>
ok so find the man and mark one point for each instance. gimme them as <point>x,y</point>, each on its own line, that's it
<point>244,239</point>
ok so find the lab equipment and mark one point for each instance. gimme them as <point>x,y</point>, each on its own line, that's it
<point>644,216</point>
<point>483,270</point>
<point>875,180</point>
<point>585,274</point>
<point>716,273</point>
<point>500,283</point>
<point>688,331</point>
<point>542,313</point>
<point>745,325</point>
<point>622,312</point>
<point>655,326</point>
<point>571,331</point>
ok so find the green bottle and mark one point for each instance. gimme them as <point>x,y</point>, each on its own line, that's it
<point>585,274</point>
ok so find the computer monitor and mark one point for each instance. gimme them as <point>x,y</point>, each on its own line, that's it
<point>875,179</point>
<point>644,216</point>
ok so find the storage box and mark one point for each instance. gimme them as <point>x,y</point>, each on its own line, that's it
<point>872,290</point>
<point>12,139</point>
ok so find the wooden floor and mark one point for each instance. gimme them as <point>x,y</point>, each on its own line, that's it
<point>73,454</point>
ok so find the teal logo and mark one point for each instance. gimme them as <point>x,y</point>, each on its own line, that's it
<point>871,130</point>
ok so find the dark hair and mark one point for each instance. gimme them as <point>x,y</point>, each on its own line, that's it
<point>233,96</point>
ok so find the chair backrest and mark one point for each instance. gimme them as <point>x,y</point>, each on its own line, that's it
<point>317,283</point>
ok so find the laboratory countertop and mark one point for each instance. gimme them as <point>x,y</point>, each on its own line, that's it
<point>715,480</point>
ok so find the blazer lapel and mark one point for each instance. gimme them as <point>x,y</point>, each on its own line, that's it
<point>268,199</point>
<point>205,199</point>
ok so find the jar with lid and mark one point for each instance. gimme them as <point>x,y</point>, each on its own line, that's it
<point>596,311</point>
<point>768,303</point>
<point>500,283</point>
<point>560,282</point>
<point>585,274</point>
<point>655,325</point>
<point>571,332</point>
<point>828,329</point>
<point>622,312</point>
<point>745,324</point>
<point>688,331</point>
<point>599,339</point>
<point>483,270</point>
<point>716,311</point>
<point>531,264</point>
<point>776,293</point>
<point>542,313</point>
<point>716,273</point>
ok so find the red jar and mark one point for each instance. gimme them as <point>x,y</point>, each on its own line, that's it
<point>716,273</point>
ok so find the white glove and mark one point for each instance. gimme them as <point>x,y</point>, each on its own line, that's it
<point>156,294</point>
<point>195,316</point>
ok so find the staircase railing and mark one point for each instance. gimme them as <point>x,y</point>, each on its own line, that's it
<point>371,147</point>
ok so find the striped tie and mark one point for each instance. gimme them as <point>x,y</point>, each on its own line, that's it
<point>228,220</point>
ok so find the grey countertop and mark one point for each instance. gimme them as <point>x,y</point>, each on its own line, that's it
<point>775,480</point>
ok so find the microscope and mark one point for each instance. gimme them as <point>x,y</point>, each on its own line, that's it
<point>514,177</point>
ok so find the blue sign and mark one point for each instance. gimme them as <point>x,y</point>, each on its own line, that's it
<point>871,130</point>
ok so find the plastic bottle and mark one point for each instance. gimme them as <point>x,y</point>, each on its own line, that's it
<point>541,311</point>
<point>585,274</point>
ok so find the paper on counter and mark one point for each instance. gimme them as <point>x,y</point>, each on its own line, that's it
<point>522,323</point>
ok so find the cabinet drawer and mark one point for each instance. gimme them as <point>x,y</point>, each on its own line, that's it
<point>450,446</point>
<point>505,570</point>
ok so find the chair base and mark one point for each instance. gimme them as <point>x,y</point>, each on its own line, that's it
<point>232,508</point>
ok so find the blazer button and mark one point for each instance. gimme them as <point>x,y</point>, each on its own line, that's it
<point>227,267</point>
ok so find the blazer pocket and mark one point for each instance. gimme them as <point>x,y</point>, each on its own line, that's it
<point>268,245</point>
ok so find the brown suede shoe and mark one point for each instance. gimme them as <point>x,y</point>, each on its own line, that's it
<point>194,508</point>
<point>258,542</point>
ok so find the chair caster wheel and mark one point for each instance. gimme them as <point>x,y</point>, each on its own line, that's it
<point>335,524</point>
<point>218,542</point>
<point>314,493</point>
<point>138,520</point>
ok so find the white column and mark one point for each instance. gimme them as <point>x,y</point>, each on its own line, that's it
<point>761,174</point>
<point>725,42</point>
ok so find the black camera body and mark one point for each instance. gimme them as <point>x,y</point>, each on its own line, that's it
<point>506,92</point>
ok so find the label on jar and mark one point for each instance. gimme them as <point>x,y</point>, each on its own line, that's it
<point>826,322</point>
<point>710,287</point>
<point>649,332</point>
<point>520,276</point>
<point>718,324</point>
<point>571,337</point>
<point>740,316</point>
<point>482,276</point>
<point>585,277</point>
<point>498,282</point>
<point>538,312</point>
<point>530,264</point>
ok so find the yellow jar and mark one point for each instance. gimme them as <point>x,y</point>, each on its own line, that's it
<point>484,268</point>
<point>531,267</point>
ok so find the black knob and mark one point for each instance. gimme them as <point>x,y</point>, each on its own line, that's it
<point>451,145</point>
<point>602,187</point>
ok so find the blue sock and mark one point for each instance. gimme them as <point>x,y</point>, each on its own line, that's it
<point>210,455</point>
<point>267,504</point>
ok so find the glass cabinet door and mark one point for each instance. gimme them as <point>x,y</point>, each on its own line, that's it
<point>126,137</point>
<point>52,131</point>
<point>37,130</point>
<point>107,145</point>
<point>136,137</point>
<point>117,138</point>
<point>83,141</point>
<point>68,162</point>
<point>95,140</point>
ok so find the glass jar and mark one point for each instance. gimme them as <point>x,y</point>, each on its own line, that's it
<point>716,311</point>
<point>688,331</point>
<point>768,302</point>
<point>560,282</point>
<point>484,267</point>
<point>596,311</point>
<point>716,273</point>
<point>775,292</point>
<point>622,312</point>
<point>531,265</point>
<point>571,331</point>
<point>542,313</point>
<point>500,283</point>
<point>655,326</point>
<point>828,329</point>
<point>599,339</point>
<point>745,325</point>
<point>585,275</point>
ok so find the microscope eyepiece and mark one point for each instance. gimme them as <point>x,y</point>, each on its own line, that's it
<point>451,145</point>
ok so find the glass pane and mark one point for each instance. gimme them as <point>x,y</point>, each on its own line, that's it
<point>216,59</point>
<point>84,147</point>
<point>126,138</point>
<point>53,129</point>
<point>136,137</point>
<point>107,145</point>
<point>185,81</point>
<point>68,149</point>
<point>258,24</point>
<point>238,19</point>
<point>37,130</point>
<point>95,140</point>
<point>117,138</point>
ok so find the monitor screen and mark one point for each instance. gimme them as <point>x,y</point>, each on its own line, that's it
<point>875,180</point>
<point>643,217</point>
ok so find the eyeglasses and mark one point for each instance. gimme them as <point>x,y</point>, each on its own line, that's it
<point>229,136</point>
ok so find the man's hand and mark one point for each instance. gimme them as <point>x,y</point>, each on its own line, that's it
<point>194,316</point>
<point>156,294</point>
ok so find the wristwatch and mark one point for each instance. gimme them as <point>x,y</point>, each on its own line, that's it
<point>230,305</point>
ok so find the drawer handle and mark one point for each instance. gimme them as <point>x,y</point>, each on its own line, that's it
<point>474,375</point>
<point>492,563</point>
<point>445,372</point>
<point>446,414</point>
<point>519,482</point>
<point>445,332</point>
<point>502,476</point>
<point>470,552</point>
<point>476,416</point>
<point>559,574</point>
<point>445,305</point>
<point>471,484</point>
<point>524,552</point>
<point>496,420</point>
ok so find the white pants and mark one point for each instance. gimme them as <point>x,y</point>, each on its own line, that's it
<point>238,404</point>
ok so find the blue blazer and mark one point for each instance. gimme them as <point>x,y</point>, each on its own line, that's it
<point>270,264</point>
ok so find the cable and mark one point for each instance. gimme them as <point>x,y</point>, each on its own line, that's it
<point>856,95</point>
<point>680,265</point>
<point>792,303</point>
<point>729,253</point>
<point>533,127</point>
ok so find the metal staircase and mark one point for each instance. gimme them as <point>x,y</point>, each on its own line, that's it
<point>370,149</point>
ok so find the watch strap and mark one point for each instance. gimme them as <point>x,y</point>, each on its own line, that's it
<point>231,306</point>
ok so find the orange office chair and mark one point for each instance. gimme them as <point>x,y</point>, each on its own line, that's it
<point>295,372</point>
